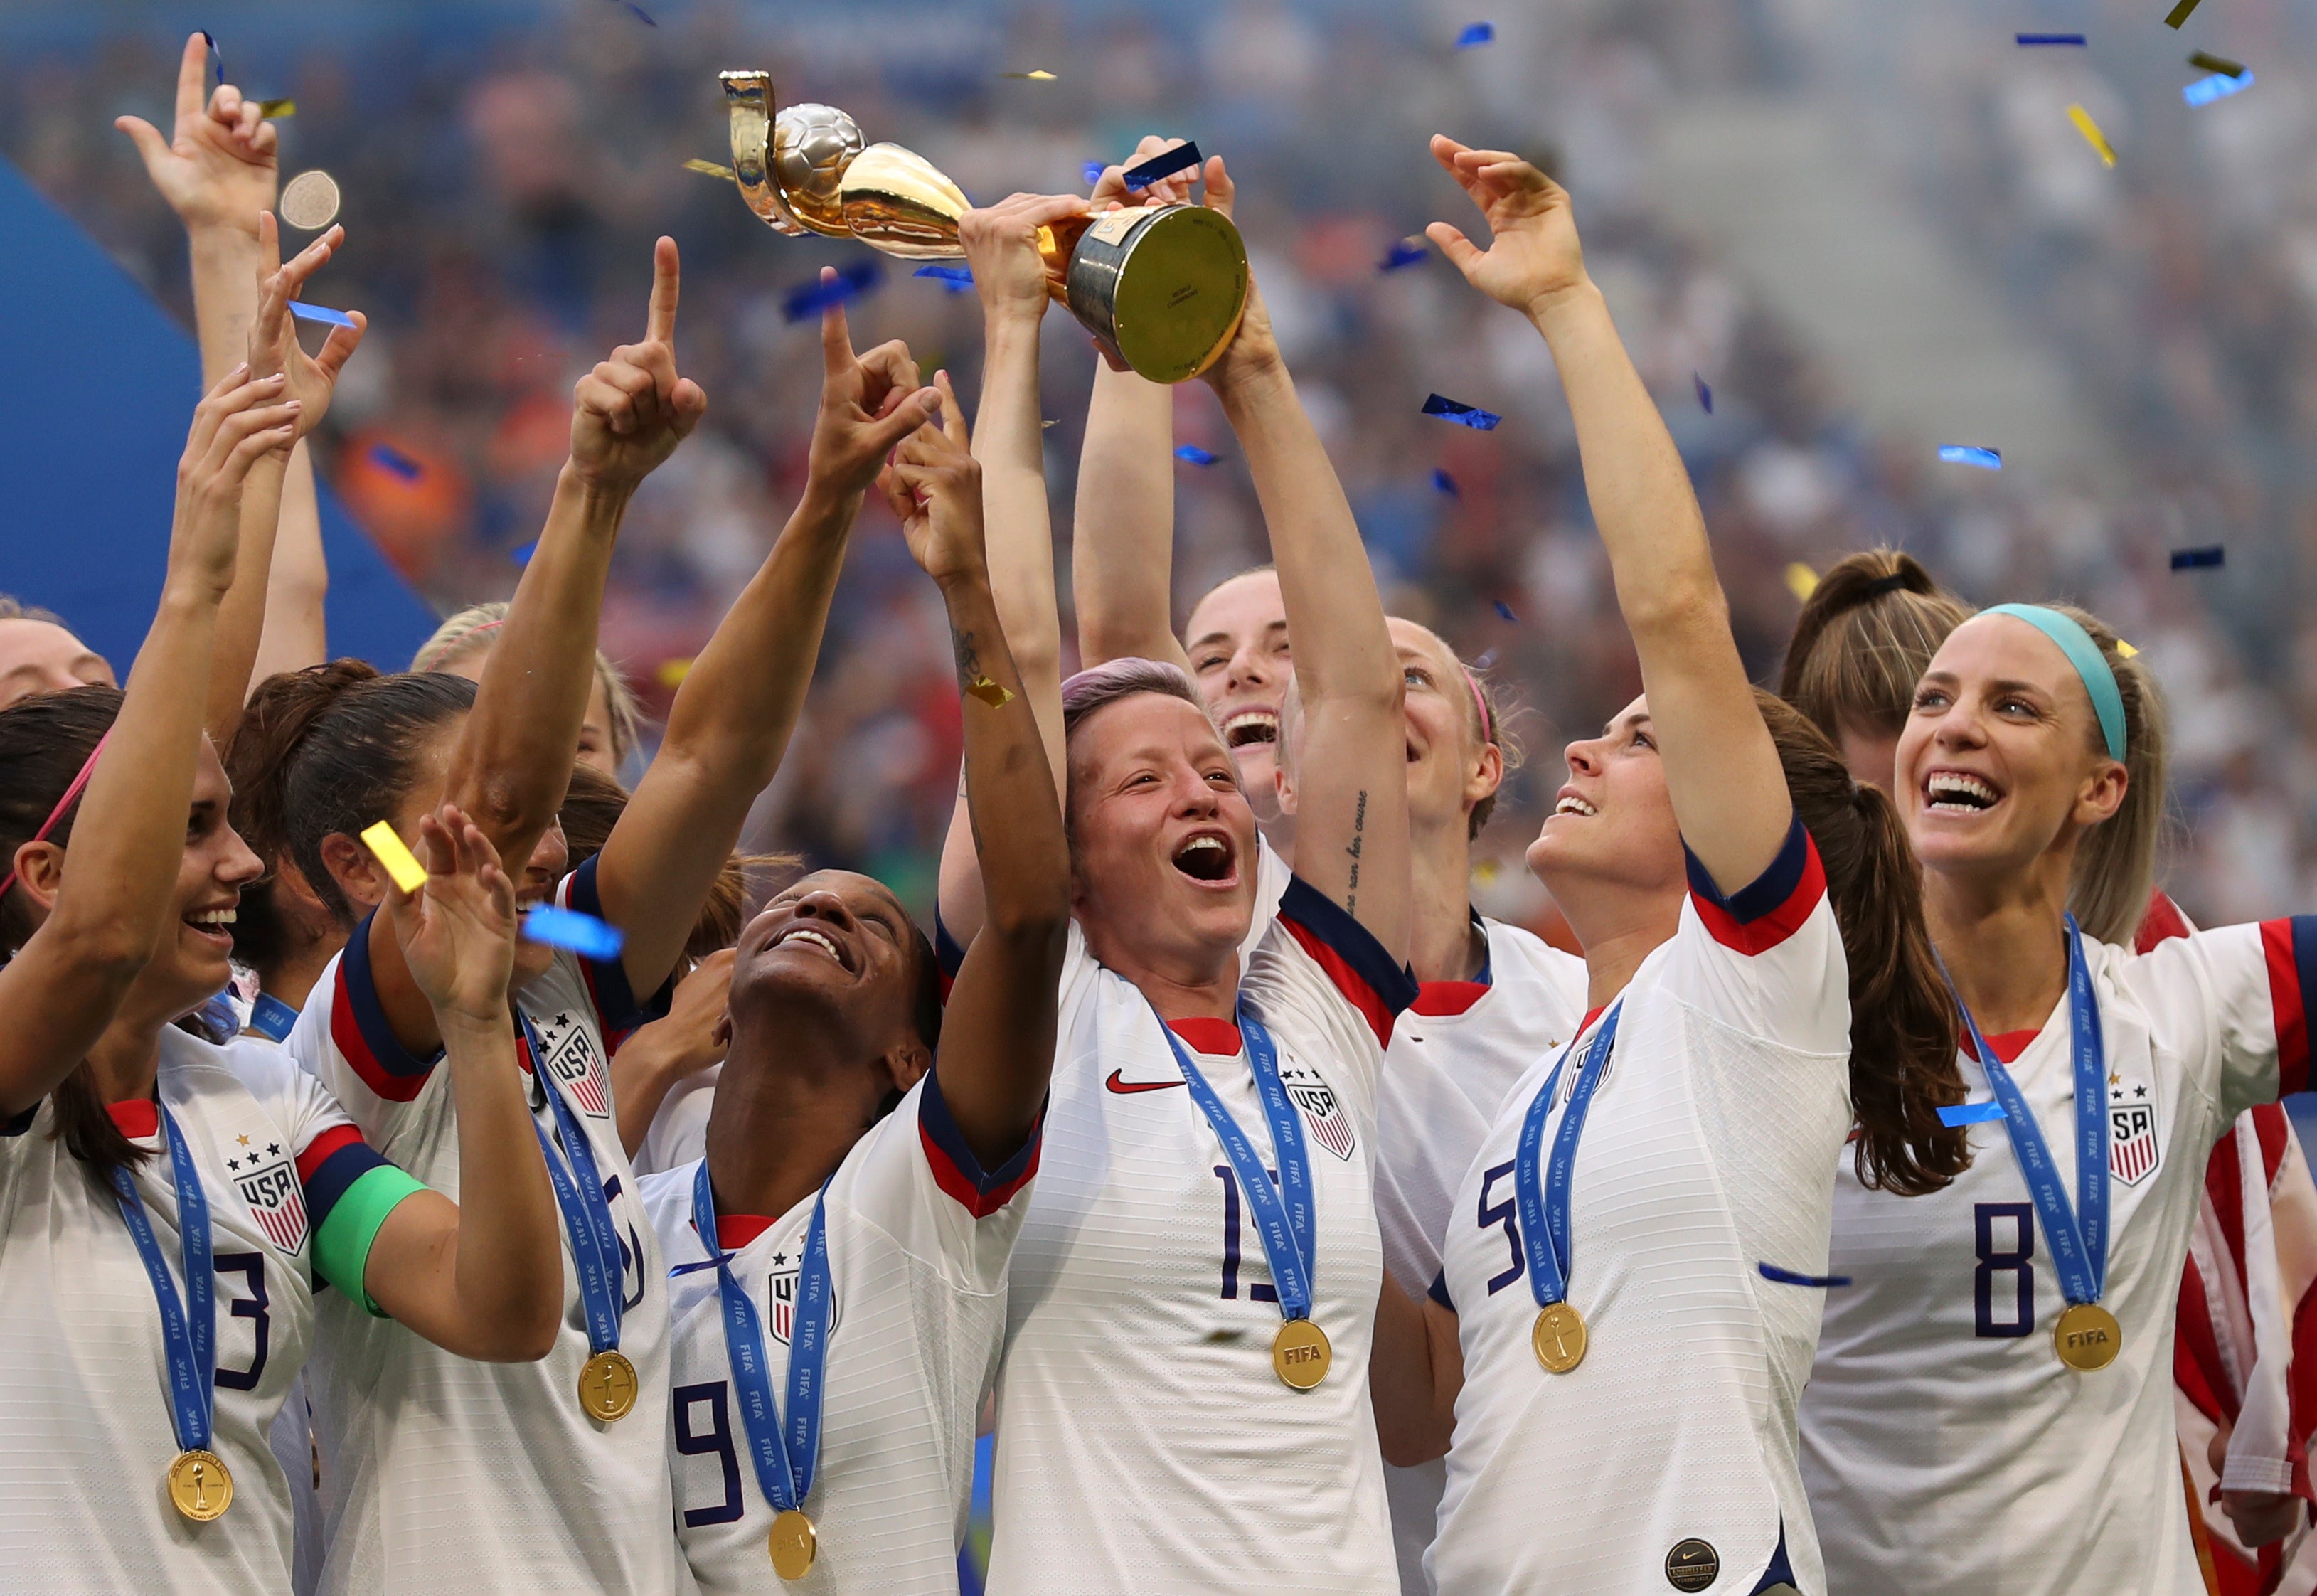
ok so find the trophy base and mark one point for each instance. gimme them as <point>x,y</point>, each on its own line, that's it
<point>1163,287</point>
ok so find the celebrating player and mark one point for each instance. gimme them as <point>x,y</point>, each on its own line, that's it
<point>540,1478</point>
<point>165,1204</point>
<point>1633,1275</point>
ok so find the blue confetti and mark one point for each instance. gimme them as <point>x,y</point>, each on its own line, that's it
<point>1771,1271</point>
<point>852,281</point>
<point>1183,158</point>
<point>1504,613</point>
<point>1971,1114</point>
<point>322,313</point>
<point>1404,252</point>
<point>1476,33</point>
<point>583,934</point>
<point>521,555</point>
<point>955,279</point>
<point>1971,454</point>
<point>1486,661</point>
<point>1471,416</point>
<point>2218,86</point>
<point>2198,559</point>
<point>1195,455</point>
<point>2050,38</point>
<point>1094,170</point>
<point>217,55</point>
<point>639,13</point>
<point>389,458</point>
<point>1442,482</point>
<point>1704,394</point>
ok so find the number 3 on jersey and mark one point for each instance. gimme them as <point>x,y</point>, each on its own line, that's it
<point>2003,1286</point>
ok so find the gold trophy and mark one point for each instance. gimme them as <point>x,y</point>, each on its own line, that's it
<point>1161,287</point>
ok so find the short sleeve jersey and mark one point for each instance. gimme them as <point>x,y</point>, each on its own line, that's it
<point>1705,1158</point>
<point>1144,1444</point>
<point>86,1407</point>
<point>452,1475</point>
<point>1939,1405</point>
<point>918,1235</point>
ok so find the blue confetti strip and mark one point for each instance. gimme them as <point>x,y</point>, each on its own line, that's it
<point>1971,454</point>
<point>1504,613</point>
<point>1771,1271</point>
<point>1486,661</point>
<point>639,13</point>
<point>2198,559</point>
<point>322,313</point>
<point>583,934</point>
<point>1442,482</point>
<point>1195,455</point>
<point>217,55</point>
<point>1985,1113</point>
<point>1094,170</point>
<point>1704,394</point>
<point>852,281</point>
<point>1165,164</point>
<point>1463,415</point>
<point>1404,252</point>
<point>389,458</point>
<point>2220,86</point>
<point>522,554</point>
<point>955,279</point>
<point>2050,38</point>
<point>1476,33</point>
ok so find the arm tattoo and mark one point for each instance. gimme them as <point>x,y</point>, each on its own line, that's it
<point>969,659</point>
<point>1359,833</point>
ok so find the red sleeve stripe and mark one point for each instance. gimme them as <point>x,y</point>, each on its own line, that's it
<point>957,1171</point>
<point>1350,957</point>
<point>328,1168</point>
<point>318,1151</point>
<point>1758,917</point>
<point>359,1027</point>
<point>2290,947</point>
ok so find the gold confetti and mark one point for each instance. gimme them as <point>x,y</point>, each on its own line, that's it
<point>2092,135</point>
<point>274,110</point>
<point>1802,581</point>
<point>672,672</point>
<point>2213,63</point>
<point>408,874</point>
<point>2180,13</point>
<point>1040,75</point>
<point>2127,649</point>
<point>1484,871</point>
<point>709,169</point>
<point>1046,424</point>
<point>989,692</point>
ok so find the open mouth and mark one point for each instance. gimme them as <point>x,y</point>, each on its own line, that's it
<point>1208,859</point>
<point>1250,726</point>
<point>1953,792</point>
<point>806,935</point>
<point>1571,804</point>
<point>216,924</point>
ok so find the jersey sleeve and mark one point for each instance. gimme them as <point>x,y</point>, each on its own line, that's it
<point>915,1179</point>
<point>1325,973</point>
<point>1766,960</point>
<point>618,1009</point>
<point>343,1040</point>
<point>2231,1003</point>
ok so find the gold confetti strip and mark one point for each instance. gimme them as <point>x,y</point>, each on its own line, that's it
<point>2220,63</point>
<point>989,692</point>
<point>2180,13</point>
<point>2091,131</point>
<point>1484,871</point>
<point>1046,424</point>
<point>274,110</point>
<point>408,874</point>
<point>672,672</point>
<point>709,169</point>
<point>2127,649</point>
<point>1040,75</point>
<point>1802,581</point>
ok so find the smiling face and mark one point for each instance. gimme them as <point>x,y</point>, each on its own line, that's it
<point>1162,842</point>
<point>1611,829</point>
<point>42,657</point>
<point>1450,767</point>
<point>2001,763</point>
<point>1238,643</point>
<point>193,961</point>
<point>840,943</point>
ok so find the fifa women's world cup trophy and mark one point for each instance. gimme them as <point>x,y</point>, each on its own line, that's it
<point>1161,288</point>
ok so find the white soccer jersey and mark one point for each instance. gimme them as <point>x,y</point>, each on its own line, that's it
<point>1946,1446</point>
<point>1703,1159</point>
<point>917,1236</point>
<point>455,1476</point>
<point>1455,1055</point>
<point>679,1130</point>
<point>84,1406</point>
<point>1144,1444</point>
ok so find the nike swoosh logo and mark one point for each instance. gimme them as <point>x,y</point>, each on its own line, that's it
<point>1116,1085</point>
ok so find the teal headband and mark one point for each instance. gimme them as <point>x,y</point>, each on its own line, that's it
<point>2090,663</point>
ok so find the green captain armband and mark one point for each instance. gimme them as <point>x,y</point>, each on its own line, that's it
<point>342,1244</point>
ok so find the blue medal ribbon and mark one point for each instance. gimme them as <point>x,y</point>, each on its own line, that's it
<point>785,1452</point>
<point>1545,1203</point>
<point>1283,1214</point>
<point>2078,1235</point>
<point>271,1018</point>
<point>586,1211</point>
<point>188,1328</point>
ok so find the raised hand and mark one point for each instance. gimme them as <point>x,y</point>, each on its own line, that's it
<point>632,411</point>
<point>1001,244</point>
<point>457,932</point>
<point>868,404</point>
<point>1111,192</point>
<point>273,345</point>
<point>239,422</point>
<point>223,164</point>
<point>1534,257</point>
<point>933,484</point>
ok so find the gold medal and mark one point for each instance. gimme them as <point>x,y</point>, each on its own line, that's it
<point>2087,1337</point>
<point>1559,1338</point>
<point>794,1545</point>
<point>607,1386</point>
<point>1300,1354</point>
<point>200,1485</point>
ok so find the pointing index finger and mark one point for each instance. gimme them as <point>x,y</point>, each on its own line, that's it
<point>660,324</point>
<point>193,76</point>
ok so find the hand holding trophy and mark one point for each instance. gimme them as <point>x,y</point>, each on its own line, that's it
<point>1161,287</point>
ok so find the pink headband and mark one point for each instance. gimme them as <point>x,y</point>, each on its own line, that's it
<point>87,768</point>
<point>1488,721</point>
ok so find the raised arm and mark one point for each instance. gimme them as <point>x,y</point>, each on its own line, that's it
<point>1416,1368</point>
<point>1722,770</point>
<point>998,1031</point>
<point>482,1276</point>
<point>1350,780</point>
<point>731,718</point>
<point>107,892</point>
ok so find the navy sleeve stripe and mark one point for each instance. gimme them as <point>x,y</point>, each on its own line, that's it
<point>335,1174</point>
<point>981,1192</point>
<point>1762,914</point>
<point>21,1124</point>
<point>359,1027</point>
<point>616,1007</point>
<point>1355,961</point>
<point>1438,1291</point>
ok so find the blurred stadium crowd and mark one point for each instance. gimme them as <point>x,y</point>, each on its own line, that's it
<point>505,166</point>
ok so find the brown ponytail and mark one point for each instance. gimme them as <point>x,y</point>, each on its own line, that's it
<point>1865,636</point>
<point>274,723</point>
<point>1902,1017</point>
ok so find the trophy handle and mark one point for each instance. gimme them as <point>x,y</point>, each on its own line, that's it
<point>749,96</point>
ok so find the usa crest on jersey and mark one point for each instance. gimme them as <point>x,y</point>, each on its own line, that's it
<point>2132,1150</point>
<point>268,1183</point>
<point>1330,1126</point>
<point>783,1278</point>
<point>571,1060</point>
